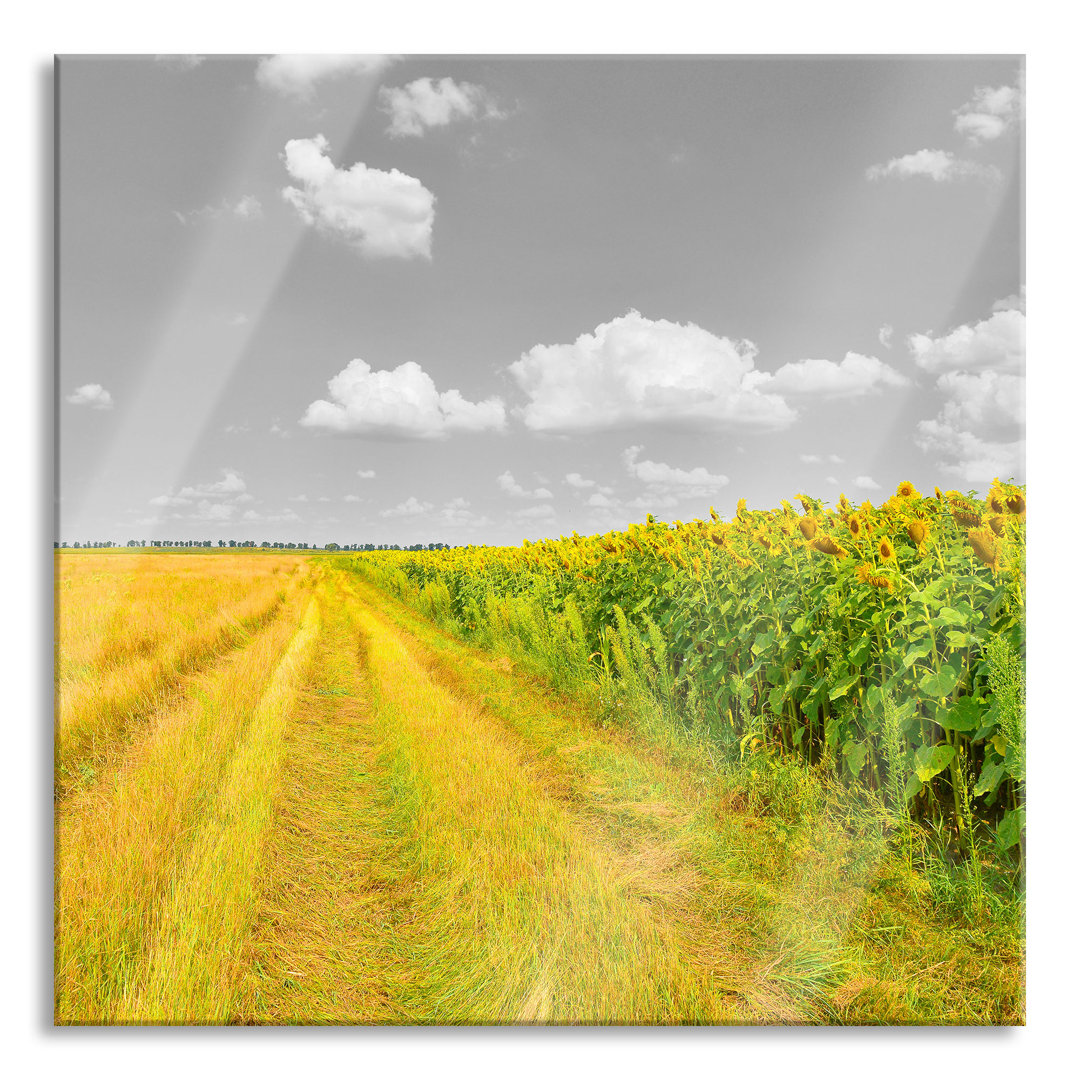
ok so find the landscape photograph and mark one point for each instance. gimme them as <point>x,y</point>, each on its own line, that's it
<point>540,540</point>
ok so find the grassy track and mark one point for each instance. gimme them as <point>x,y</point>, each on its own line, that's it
<point>350,817</point>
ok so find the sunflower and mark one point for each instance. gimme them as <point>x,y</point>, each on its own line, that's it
<point>966,517</point>
<point>885,549</point>
<point>997,525</point>
<point>906,490</point>
<point>985,546</point>
<point>918,530</point>
<point>808,526</point>
<point>854,525</point>
<point>1016,504</point>
<point>864,571</point>
<point>828,546</point>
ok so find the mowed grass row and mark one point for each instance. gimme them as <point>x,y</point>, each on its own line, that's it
<point>123,646</point>
<point>157,862</point>
<point>506,908</point>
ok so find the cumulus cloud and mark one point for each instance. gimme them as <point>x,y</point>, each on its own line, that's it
<point>92,394</point>
<point>1012,302</point>
<point>456,513</point>
<point>381,214</point>
<point>296,75</point>
<point>941,166</point>
<point>216,501</point>
<point>403,403</point>
<point>411,507</point>
<point>867,483</point>
<point>353,498</point>
<point>975,460</point>
<point>576,480</point>
<point>697,482</point>
<point>854,376</point>
<point>230,484</point>
<point>885,336</point>
<point>997,343</point>
<point>508,484</point>
<point>635,370</point>
<point>366,474</point>
<point>979,432</point>
<point>426,103</point>
<point>989,114</point>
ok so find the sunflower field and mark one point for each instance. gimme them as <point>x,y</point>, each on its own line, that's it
<point>884,644</point>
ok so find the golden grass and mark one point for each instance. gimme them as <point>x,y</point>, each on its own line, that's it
<point>517,913</point>
<point>351,818</point>
<point>789,906</point>
<point>314,953</point>
<point>130,845</point>
<point>129,627</point>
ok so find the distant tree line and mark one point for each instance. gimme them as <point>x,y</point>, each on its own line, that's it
<point>267,544</point>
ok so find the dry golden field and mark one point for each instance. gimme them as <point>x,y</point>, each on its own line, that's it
<point>282,797</point>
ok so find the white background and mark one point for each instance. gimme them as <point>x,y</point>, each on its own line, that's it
<point>34,33</point>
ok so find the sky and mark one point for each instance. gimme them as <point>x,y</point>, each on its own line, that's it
<point>367,299</point>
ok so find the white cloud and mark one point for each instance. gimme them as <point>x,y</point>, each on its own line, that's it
<point>984,399</point>
<point>979,432</point>
<point>508,484</point>
<point>598,498</point>
<point>353,498</point>
<point>366,474</point>
<point>382,214</point>
<point>298,498</point>
<point>212,502</point>
<point>411,507</point>
<point>230,484</point>
<point>237,429</point>
<point>93,394</point>
<point>977,460</point>
<point>239,319</point>
<point>695,482</point>
<point>832,480</point>
<point>576,480</point>
<point>854,376</point>
<point>456,512</point>
<point>810,459</point>
<point>885,336</point>
<point>403,403</point>
<point>835,459</point>
<point>937,165</point>
<point>296,75</point>
<point>997,343</point>
<point>867,483</point>
<point>246,208</point>
<point>278,430</point>
<point>635,370</point>
<point>425,103</point>
<point>989,114</point>
<point>1012,302</point>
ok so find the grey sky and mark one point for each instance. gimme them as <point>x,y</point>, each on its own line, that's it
<point>573,256</point>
